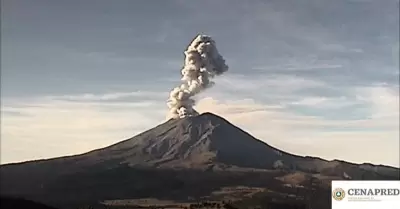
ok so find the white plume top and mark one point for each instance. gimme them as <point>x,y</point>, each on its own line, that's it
<point>202,63</point>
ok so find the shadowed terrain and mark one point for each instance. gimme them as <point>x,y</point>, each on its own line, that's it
<point>185,160</point>
<point>11,203</point>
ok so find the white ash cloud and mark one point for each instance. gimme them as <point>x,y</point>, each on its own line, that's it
<point>202,63</point>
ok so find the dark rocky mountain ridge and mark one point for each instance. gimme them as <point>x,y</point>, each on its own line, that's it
<point>204,141</point>
<point>204,151</point>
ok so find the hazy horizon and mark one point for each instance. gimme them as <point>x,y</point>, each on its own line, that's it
<point>316,77</point>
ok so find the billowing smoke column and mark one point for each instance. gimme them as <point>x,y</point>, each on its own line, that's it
<point>202,63</point>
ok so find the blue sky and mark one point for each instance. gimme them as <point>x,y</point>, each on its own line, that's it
<point>313,77</point>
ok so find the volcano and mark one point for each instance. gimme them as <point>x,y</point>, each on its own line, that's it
<point>191,157</point>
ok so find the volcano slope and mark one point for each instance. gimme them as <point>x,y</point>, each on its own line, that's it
<point>182,158</point>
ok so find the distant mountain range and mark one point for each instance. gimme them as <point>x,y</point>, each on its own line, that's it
<point>189,159</point>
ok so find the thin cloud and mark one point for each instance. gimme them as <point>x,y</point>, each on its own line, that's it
<point>299,66</point>
<point>326,102</point>
<point>110,96</point>
<point>267,82</point>
<point>383,101</point>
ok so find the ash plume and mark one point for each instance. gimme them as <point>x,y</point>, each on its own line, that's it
<point>202,63</point>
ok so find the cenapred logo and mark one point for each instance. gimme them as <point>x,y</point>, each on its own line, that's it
<point>338,194</point>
